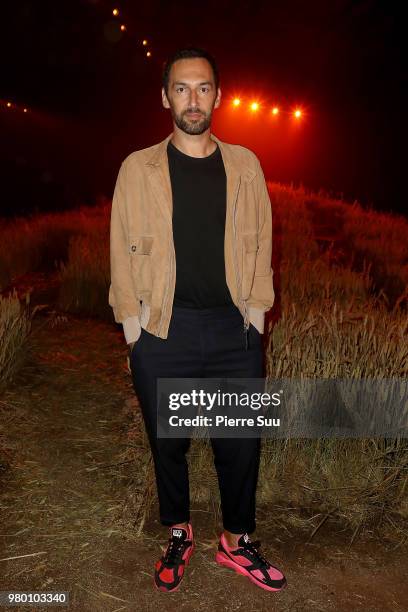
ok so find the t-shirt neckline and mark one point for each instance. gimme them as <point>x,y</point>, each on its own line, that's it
<point>198,159</point>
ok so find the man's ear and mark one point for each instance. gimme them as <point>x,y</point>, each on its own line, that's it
<point>164,99</point>
<point>218,98</point>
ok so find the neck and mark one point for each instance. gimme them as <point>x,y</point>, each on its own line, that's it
<point>195,145</point>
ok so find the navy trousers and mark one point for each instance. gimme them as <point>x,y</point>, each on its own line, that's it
<point>201,343</point>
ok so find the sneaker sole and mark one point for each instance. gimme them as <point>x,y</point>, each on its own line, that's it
<point>178,586</point>
<point>225,561</point>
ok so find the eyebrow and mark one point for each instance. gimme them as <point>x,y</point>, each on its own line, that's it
<point>202,83</point>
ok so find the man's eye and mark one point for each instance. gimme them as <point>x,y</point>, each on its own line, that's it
<point>178,88</point>
<point>204,88</point>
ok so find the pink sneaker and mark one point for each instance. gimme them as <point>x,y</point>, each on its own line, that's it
<point>248,561</point>
<point>169,569</point>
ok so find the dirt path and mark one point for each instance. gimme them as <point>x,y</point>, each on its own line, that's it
<point>65,424</point>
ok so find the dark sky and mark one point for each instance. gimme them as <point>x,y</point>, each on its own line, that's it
<point>94,97</point>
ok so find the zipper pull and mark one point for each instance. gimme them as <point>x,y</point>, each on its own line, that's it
<point>246,326</point>
<point>246,337</point>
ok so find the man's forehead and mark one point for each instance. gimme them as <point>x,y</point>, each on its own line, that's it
<point>192,71</point>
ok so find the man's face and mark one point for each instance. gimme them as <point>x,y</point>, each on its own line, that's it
<point>191,95</point>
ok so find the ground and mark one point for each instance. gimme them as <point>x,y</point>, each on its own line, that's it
<point>64,423</point>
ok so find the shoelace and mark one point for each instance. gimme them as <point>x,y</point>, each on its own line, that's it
<point>174,551</point>
<point>253,549</point>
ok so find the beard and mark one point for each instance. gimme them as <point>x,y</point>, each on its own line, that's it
<point>189,125</point>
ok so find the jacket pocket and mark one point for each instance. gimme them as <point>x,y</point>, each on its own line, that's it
<point>141,245</point>
<point>249,252</point>
<point>140,249</point>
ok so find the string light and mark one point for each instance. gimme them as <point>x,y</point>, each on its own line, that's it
<point>256,106</point>
<point>123,28</point>
<point>10,106</point>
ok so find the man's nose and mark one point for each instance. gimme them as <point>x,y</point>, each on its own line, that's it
<point>193,98</point>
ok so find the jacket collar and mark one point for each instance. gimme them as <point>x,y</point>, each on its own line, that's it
<point>233,165</point>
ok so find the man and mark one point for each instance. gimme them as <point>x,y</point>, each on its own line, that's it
<point>195,204</point>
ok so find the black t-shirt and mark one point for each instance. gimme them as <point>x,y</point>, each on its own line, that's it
<point>199,188</point>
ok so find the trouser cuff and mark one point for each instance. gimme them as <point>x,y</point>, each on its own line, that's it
<point>239,530</point>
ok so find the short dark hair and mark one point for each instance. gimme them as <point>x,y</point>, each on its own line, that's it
<point>187,53</point>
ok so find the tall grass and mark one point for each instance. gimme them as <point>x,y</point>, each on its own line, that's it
<point>15,326</point>
<point>382,240</point>
<point>42,241</point>
<point>340,312</point>
<point>85,278</point>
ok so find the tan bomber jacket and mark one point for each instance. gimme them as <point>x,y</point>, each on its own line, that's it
<point>142,255</point>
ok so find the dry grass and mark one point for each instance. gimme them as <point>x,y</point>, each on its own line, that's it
<point>382,240</point>
<point>85,278</point>
<point>41,241</point>
<point>15,325</point>
<point>333,317</point>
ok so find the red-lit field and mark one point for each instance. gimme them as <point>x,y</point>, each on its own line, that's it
<point>78,495</point>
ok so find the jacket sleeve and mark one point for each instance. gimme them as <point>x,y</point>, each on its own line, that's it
<point>132,329</point>
<point>122,297</point>
<point>262,294</point>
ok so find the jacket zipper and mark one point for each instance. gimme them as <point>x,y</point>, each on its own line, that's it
<point>167,291</point>
<point>238,280</point>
